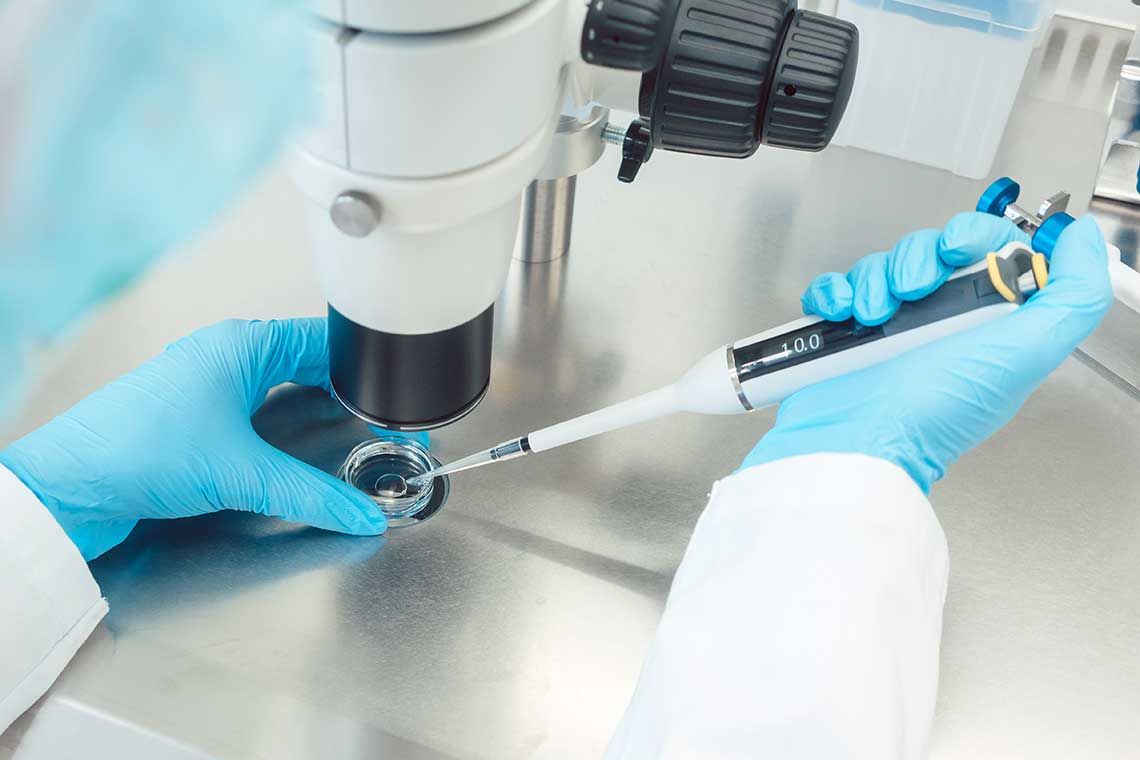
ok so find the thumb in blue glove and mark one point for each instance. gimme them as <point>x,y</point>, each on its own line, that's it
<point>923,409</point>
<point>174,439</point>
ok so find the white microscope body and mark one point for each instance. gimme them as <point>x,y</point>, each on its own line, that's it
<point>437,114</point>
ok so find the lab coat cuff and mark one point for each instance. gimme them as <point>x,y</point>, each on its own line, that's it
<point>803,622</point>
<point>848,492</point>
<point>49,601</point>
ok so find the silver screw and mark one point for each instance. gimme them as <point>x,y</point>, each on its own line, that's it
<point>355,213</point>
<point>613,134</point>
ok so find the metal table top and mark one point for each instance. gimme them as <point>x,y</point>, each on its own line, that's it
<point>513,624</point>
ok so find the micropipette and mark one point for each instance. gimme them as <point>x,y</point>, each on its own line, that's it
<point>764,369</point>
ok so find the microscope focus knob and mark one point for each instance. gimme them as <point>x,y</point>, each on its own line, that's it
<point>811,82</point>
<point>626,34</point>
<point>740,73</point>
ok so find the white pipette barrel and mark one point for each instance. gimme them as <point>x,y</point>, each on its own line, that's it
<point>707,387</point>
<point>647,406</point>
<point>720,383</point>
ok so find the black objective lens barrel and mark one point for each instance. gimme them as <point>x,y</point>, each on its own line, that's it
<point>410,382</point>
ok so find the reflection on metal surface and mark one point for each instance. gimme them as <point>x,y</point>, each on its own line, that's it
<point>310,425</point>
<point>1112,377</point>
<point>1117,178</point>
<point>1078,64</point>
<point>534,313</point>
<point>548,203</point>
<point>577,144</point>
<point>1120,223</point>
<point>547,219</point>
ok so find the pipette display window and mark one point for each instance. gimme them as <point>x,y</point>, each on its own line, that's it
<point>974,290</point>
<point>797,346</point>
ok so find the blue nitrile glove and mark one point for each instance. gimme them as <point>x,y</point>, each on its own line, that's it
<point>923,409</point>
<point>174,439</point>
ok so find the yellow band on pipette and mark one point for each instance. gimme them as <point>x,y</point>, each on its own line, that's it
<point>997,281</point>
<point>1040,270</point>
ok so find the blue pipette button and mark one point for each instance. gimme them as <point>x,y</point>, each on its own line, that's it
<point>1001,192</point>
<point>1045,238</point>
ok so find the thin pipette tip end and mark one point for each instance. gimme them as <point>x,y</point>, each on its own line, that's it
<point>423,478</point>
<point>466,463</point>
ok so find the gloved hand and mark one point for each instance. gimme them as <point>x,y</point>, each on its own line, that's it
<point>174,439</point>
<point>923,409</point>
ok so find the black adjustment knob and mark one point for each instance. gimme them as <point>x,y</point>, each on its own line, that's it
<point>709,92</point>
<point>636,149</point>
<point>624,34</point>
<point>811,82</point>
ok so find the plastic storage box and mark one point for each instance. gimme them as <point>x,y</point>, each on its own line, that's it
<point>937,79</point>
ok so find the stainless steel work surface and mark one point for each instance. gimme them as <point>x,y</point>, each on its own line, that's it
<point>513,624</point>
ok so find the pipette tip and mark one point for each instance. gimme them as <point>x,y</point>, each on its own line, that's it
<point>509,450</point>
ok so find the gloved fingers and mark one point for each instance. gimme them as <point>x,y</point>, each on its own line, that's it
<point>1080,264</point>
<point>1078,271</point>
<point>926,407</point>
<point>969,236</point>
<point>873,302</point>
<point>915,270</point>
<point>280,351</point>
<point>829,296</point>
<point>1006,359</point>
<point>917,265</point>
<point>271,482</point>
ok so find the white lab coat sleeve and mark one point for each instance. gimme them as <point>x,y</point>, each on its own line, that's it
<point>803,623</point>
<point>49,602</point>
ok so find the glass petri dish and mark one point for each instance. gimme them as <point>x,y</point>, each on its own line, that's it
<point>382,467</point>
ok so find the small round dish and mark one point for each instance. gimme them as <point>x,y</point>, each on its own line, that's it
<point>381,469</point>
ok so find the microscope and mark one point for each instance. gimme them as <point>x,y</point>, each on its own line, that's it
<point>439,116</point>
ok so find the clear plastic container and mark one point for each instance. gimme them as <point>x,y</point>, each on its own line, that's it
<point>384,468</point>
<point>937,80</point>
